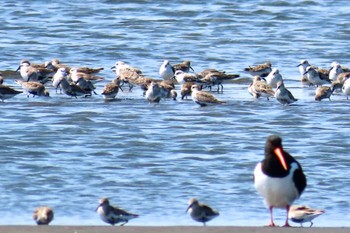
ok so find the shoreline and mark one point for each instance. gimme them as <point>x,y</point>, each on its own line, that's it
<point>166,229</point>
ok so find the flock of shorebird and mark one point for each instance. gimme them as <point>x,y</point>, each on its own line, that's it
<point>267,81</point>
<point>278,178</point>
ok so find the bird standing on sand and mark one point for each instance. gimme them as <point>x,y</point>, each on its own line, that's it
<point>43,215</point>
<point>200,212</point>
<point>113,215</point>
<point>278,178</point>
<point>301,214</point>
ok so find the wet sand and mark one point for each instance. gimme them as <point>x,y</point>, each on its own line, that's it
<point>167,229</point>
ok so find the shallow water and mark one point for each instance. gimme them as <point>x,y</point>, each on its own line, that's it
<point>150,159</point>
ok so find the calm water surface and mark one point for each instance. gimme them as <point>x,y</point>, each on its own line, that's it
<point>150,159</point>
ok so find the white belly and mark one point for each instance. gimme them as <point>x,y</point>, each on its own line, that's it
<point>277,192</point>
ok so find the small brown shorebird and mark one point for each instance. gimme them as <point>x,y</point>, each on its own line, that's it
<point>43,215</point>
<point>113,215</point>
<point>200,212</point>
<point>301,214</point>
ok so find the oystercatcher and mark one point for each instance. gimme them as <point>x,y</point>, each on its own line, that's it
<point>279,178</point>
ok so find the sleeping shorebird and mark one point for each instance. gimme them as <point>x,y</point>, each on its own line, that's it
<point>113,215</point>
<point>34,88</point>
<point>261,70</point>
<point>301,214</point>
<point>55,64</point>
<point>203,98</point>
<point>75,75</point>
<point>7,92</point>
<point>283,95</point>
<point>279,178</point>
<point>324,92</point>
<point>200,212</point>
<point>259,88</point>
<point>43,215</point>
<point>153,93</point>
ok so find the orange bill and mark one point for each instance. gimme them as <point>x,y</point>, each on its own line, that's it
<point>279,153</point>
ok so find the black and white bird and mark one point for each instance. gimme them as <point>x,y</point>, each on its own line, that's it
<point>279,178</point>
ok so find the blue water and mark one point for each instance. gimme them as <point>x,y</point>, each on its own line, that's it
<point>150,159</point>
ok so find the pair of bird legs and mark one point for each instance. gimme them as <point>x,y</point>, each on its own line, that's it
<point>272,224</point>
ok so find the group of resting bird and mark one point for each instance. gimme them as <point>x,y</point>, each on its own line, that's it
<point>80,81</point>
<point>278,178</point>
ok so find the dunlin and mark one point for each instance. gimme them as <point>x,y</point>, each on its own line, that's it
<point>301,214</point>
<point>335,70</point>
<point>75,75</point>
<point>283,95</point>
<point>60,74</point>
<point>203,98</point>
<point>55,64</point>
<point>43,215</point>
<point>185,66</point>
<point>110,90</point>
<point>113,215</point>
<point>217,78</point>
<point>71,89</point>
<point>201,212</point>
<point>324,92</point>
<point>274,77</point>
<point>34,88</point>
<point>126,73</point>
<point>259,88</point>
<point>302,69</point>
<point>186,89</point>
<point>261,70</point>
<point>315,77</point>
<point>86,85</point>
<point>154,92</point>
<point>183,77</point>
<point>278,178</point>
<point>166,70</point>
<point>29,73</point>
<point>346,87</point>
<point>7,92</point>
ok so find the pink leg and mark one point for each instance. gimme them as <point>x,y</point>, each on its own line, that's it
<point>272,224</point>
<point>287,209</point>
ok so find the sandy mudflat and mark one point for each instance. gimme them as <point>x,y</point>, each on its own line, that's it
<point>170,229</point>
